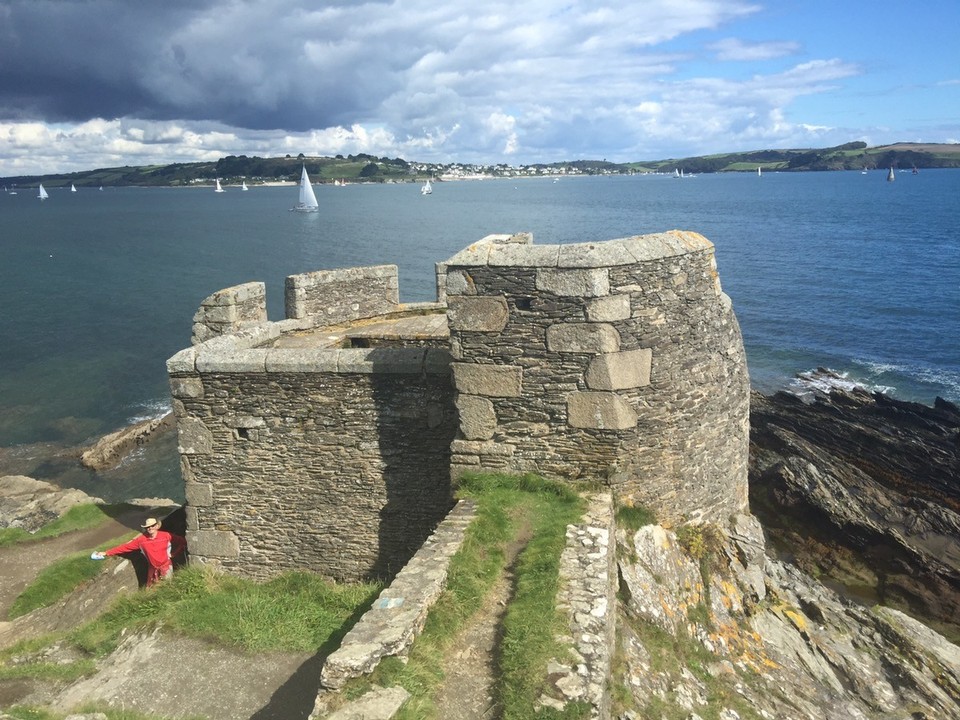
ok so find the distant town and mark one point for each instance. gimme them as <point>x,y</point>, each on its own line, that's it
<point>364,168</point>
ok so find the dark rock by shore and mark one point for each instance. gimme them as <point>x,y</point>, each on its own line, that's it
<point>865,490</point>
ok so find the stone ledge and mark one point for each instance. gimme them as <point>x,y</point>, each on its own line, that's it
<point>497,250</point>
<point>226,357</point>
<point>398,614</point>
<point>378,704</point>
<point>587,598</point>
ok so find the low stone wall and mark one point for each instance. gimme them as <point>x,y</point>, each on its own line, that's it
<point>338,296</point>
<point>588,581</point>
<point>397,616</point>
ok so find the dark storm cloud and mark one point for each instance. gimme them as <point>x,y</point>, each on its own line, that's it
<point>247,65</point>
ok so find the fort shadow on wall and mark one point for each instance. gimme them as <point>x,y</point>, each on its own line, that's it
<point>416,422</point>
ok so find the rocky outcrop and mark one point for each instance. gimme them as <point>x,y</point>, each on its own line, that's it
<point>863,488</point>
<point>733,633</point>
<point>111,449</point>
<point>30,504</point>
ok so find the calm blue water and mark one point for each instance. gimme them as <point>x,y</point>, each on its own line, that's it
<point>97,289</point>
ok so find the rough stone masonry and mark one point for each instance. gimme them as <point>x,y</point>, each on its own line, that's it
<point>329,440</point>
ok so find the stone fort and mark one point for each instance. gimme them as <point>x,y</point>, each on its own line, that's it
<point>331,440</point>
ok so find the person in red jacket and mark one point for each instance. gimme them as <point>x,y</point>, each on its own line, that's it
<point>158,546</point>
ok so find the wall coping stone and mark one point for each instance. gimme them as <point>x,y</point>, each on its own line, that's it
<point>184,361</point>
<point>249,360</point>
<point>379,703</point>
<point>495,250</point>
<point>238,353</point>
<point>302,360</point>
<point>397,616</point>
<point>235,294</point>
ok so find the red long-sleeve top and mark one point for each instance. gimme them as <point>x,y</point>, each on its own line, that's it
<point>158,550</point>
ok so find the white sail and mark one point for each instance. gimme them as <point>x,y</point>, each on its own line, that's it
<point>890,176</point>
<point>308,200</point>
<point>73,188</point>
<point>243,185</point>
<point>42,194</point>
<point>427,188</point>
<point>759,172</point>
<point>676,173</point>
<point>218,188</point>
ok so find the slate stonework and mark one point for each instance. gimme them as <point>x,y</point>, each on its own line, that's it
<point>642,318</point>
<point>617,362</point>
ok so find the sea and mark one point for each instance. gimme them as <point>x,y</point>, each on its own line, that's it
<point>837,270</point>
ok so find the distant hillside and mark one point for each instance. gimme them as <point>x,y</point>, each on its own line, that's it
<point>850,156</point>
<point>233,168</point>
<point>368,168</point>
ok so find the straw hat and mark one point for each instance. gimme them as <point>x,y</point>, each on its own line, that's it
<point>150,522</point>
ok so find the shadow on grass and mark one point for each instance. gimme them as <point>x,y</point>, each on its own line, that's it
<point>295,699</point>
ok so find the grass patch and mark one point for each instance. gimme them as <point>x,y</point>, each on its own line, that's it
<point>703,543</point>
<point>670,654</point>
<point>293,612</point>
<point>634,517</point>
<point>532,622</point>
<point>505,505</point>
<point>79,517</point>
<point>55,581</point>
<point>26,661</point>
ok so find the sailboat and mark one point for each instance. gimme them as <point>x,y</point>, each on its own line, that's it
<point>243,185</point>
<point>759,171</point>
<point>73,188</point>
<point>676,173</point>
<point>427,188</point>
<point>41,193</point>
<point>308,200</point>
<point>890,176</point>
<point>218,188</point>
<point>101,188</point>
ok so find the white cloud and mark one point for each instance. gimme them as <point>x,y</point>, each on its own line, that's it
<point>460,80</point>
<point>734,49</point>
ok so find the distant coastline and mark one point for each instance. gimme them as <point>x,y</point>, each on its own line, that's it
<point>363,168</point>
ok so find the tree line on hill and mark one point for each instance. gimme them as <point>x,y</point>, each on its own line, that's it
<point>369,168</point>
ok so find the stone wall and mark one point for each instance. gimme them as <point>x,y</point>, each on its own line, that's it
<point>229,310</point>
<point>335,461</point>
<point>338,296</point>
<point>619,362</point>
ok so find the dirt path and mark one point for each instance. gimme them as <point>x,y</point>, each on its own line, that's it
<point>20,564</point>
<point>470,669</point>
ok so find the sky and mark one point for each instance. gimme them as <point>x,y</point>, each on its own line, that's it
<point>86,84</point>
